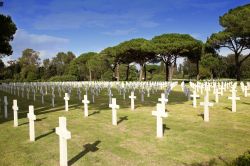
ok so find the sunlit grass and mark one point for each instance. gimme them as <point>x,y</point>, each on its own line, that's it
<point>187,139</point>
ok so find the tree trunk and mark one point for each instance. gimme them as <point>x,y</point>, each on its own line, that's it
<point>127,72</point>
<point>171,71</point>
<point>237,67</point>
<point>145,73</point>
<point>198,70</point>
<point>211,75</point>
<point>90,76</point>
<point>141,72</point>
<point>117,72</point>
<point>166,72</point>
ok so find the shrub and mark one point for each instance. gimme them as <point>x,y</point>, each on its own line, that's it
<point>243,160</point>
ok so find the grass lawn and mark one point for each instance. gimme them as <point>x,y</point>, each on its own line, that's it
<point>187,139</point>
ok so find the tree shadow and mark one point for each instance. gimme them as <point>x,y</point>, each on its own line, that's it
<point>245,103</point>
<point>87,148</point>
<point>165,128</point>
<point>37,120</point>
<point>211,162</point>
<point>40,119</point>
<point>95,112</point>
<point>122,119</point>
<point>45,134</point>
<point>23,123</point>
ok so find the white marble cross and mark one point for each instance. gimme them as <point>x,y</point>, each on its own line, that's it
<point>159,113</point>
<point>66,98</point>
<point>234,98</point>
<point>42,95</point>
<point>148,92</point>
<point>64,135</point>
<point>207,92</point>
<point>32,118</point>
<point>206,105</point>
<point>34,94</point>
<point>217,93</point>
<point>221,90</point>
<point>28,93</point>
<point>5,107</point>
<point>110,96</point>
<point>194,96</point>
<point>15,109</point>
<point>53,98</point>
<point>86,102</point>
<point>79,93</point>
<point>163,101</point>
<point>132,97</point>
<point>124,93</point>
<point>142,95</point>
<point>114,106</point>
<point>245,91</point>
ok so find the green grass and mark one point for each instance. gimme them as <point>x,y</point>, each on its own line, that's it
<point>187,139</point>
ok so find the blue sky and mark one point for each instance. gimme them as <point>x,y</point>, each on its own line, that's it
<point>50,26</point>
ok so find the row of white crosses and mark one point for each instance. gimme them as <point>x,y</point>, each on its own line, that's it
<point>94,86</point>
<point>62,131</point>
<point>206,102</point>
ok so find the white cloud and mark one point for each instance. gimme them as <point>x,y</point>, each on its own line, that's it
<point>119,32</point>
<point>47,45</point>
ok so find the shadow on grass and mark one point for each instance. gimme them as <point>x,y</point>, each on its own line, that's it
<point>87,148</point>
<point>201,115</point>
<point>40,111</point>
<point>101,103</point>
<point>37,120</point>
<point>95,112</point>
<point>122,119</point>
<point>165,128</point>
<point>242,160</point>
<point>245,103</point>
<point>45,134</point>
<point>228,108</point>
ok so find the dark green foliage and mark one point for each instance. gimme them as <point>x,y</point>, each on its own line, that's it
<point>243,160</point>
<point>63,78</point>
<point>235,34</point>
<point>169,47</point>
<point>7,31</point>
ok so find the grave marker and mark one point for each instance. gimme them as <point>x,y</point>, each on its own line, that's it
<point>66,98</point>
<point>159,113</point>
<point>206,105</point>
<point>85,102</point>
<point>64,135</point>
<point>5,107</point>
<point>132,97</point>
<point>15,114</point>
<point>114,106</point>
<point>32,118</point>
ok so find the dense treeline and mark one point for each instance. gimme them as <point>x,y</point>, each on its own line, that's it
<point>140,59</point>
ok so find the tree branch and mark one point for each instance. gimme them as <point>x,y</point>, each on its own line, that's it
<point>244,58</point>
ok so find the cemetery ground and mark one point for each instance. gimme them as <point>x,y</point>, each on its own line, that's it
<point>187,140</point>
